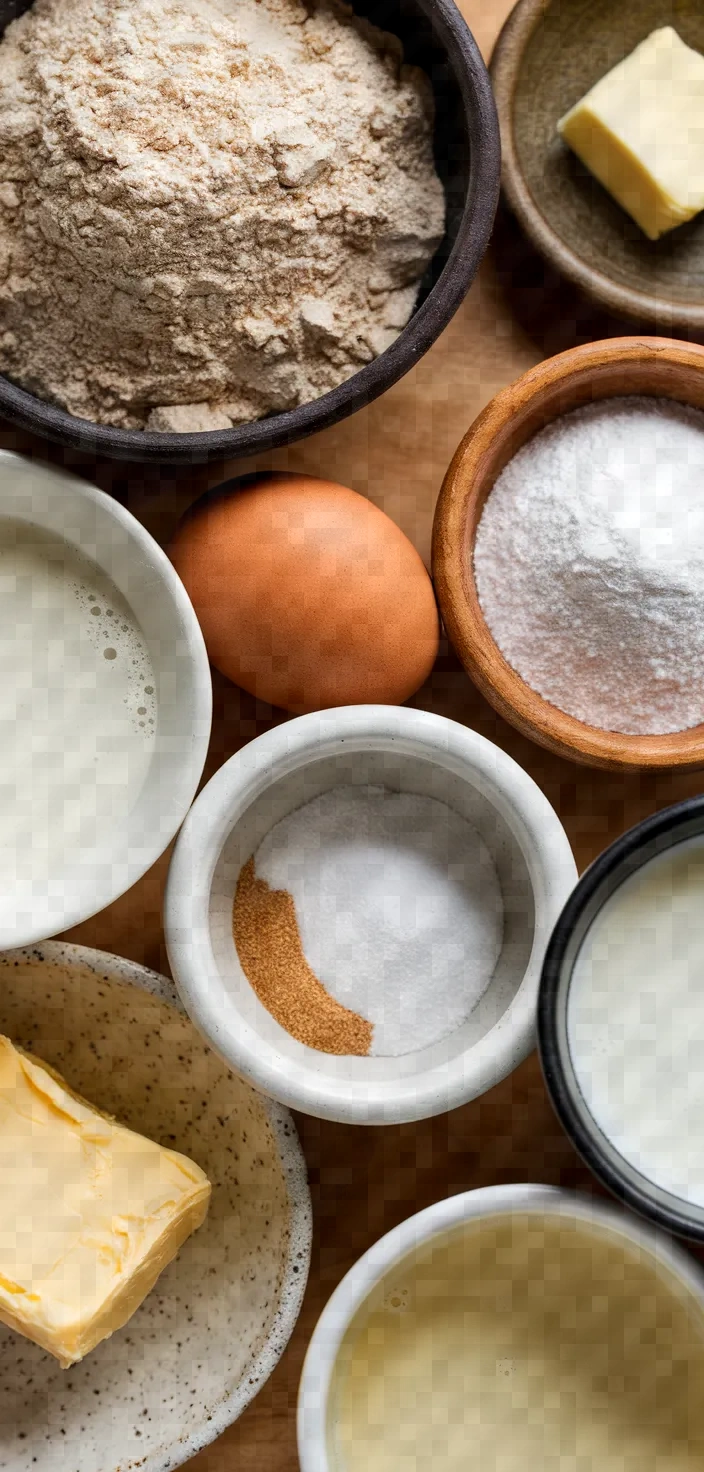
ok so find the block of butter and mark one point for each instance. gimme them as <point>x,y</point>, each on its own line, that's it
<point>641,132</point>
<point>90,1212</point>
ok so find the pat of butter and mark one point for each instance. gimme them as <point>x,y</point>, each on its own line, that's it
<point>641,132</point>
<point>90,1212</point>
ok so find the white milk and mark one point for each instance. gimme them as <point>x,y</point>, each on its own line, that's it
<point>78,707</point>
<point>635,1020</point>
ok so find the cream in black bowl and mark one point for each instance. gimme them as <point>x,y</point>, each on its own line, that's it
<point>621,1018</point>
<point>226,233</point>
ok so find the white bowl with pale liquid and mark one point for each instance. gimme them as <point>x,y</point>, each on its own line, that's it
<point>517,1326</point>
<point>105,701</point>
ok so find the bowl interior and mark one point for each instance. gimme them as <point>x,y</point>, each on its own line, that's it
<point>643,843</point>
<point>119,853</point>
<point>197,1349</point>
<point>585,375</point>
<point>417,28</point>
<point>571,1225</point>
<point>467,160</point>
<point>573,44</point>
<point>399,772</point>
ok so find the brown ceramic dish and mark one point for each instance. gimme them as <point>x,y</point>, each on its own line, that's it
<point>548,55</point>
<point>673,370</point>
<point>467,156</point>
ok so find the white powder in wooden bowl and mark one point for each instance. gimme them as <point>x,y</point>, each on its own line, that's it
<point>589,564</point>
<point>210,210</point>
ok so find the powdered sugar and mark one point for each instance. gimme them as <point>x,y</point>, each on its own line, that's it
<point>589,564</point>
<point>398,905</point>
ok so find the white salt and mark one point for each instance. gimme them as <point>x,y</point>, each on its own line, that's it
<point>398,904</point>
<point>589,564</point>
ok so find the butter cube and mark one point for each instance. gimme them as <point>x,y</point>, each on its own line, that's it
<point>90,1212</point>
<point>641,132</point>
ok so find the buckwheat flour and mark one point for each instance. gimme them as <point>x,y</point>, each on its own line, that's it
<point>210,210</point>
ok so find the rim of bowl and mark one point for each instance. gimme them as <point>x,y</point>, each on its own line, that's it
<point>642,306</point>
<point>298,1254</point>
<point>181,794</point>
<point>581,375</point>
<point>617,863</point>
<point>304,740</point>
<point>422,1229</point>
<point>375,378</point>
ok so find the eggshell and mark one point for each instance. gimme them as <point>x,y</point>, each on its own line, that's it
<point>308,595</point>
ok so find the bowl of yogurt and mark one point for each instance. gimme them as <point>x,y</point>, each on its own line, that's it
<point>510,1327</point>
<point>621,1018</point>
<point>105,701</point>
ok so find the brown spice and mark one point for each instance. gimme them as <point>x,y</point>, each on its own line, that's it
<point>268,944</point>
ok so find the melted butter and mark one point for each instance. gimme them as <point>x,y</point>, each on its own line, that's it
<point>529,1343</point>
<point>90,1212</point>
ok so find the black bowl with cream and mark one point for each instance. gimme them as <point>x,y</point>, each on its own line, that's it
<point>621,1018</point>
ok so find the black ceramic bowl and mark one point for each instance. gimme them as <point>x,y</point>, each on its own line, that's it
<point>675,825</point>
<point>467,154</point>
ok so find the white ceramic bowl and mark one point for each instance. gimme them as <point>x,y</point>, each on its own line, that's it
<point>317,1386</point>
<point>408,750</point>
<point>101,529</point>
<point>212,1329</point>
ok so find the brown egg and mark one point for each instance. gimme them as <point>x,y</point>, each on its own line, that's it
<point>308,596</point>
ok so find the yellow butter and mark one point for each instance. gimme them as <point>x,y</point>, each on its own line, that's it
<point>640,131</point>
<point>90,1212</point>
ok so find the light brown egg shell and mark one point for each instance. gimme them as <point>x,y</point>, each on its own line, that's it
<point>308,595</point>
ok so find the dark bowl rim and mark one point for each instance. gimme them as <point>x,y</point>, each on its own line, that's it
<point>675,316</point>
<point>622,858</point>
<point>414,340</point>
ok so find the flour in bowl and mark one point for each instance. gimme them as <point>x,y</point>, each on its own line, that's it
<point>210,210</point>
<point>589,564</point>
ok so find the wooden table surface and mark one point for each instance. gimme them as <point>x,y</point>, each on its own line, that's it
<point>365,1181</point>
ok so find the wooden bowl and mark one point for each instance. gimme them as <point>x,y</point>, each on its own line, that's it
<point>548,55</point>
<point>601,370</point>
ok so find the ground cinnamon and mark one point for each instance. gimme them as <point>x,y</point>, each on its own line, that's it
<point>269,946</point>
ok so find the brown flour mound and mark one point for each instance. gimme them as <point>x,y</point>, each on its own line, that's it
<point>269,946</point>
<point>210,210</point>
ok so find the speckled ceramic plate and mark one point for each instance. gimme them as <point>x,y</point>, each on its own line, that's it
<point>212,1329</point>
<point>549,54</point>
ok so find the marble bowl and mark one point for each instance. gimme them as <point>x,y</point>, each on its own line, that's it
<point>409,751</point>
<point>210,1332</point>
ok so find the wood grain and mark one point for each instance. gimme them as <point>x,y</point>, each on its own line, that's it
<point>365,1181</point>
<point>582,375</point>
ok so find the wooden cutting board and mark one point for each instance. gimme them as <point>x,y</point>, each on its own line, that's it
<point>364,1181</point>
